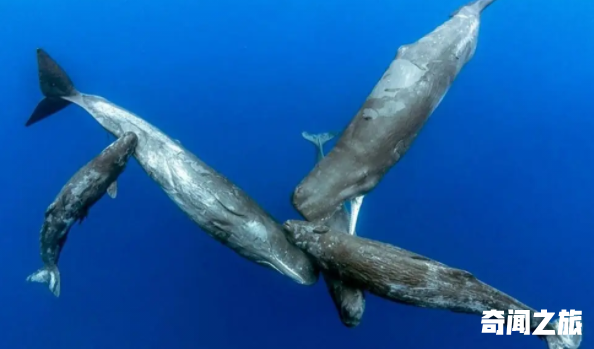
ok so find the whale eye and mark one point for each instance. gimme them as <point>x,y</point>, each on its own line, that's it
<point>321,229</point>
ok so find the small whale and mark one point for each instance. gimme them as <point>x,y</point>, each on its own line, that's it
<point>405,277</point>
<point>393,114</point>
<point>72,204</point>
<point>214,203</point>
<point>349,301</point>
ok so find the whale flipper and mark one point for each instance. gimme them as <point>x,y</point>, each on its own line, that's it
<point>54,84</point>
<point>112,190</point>
<point>355,207</point>
<point>47,275</point>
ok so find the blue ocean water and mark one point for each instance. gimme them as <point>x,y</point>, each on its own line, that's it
<point>499,182</point>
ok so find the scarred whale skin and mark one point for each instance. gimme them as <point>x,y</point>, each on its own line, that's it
<point>393,114</point>
<point>73,202</point>
<point>408,278</point>
<point>213,202</point>
<point>348,301</point>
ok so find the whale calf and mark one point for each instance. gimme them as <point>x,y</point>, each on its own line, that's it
<point>349,301</point>
<point>72,204</point>
<point>408,278</point>
<point>393,114</point>
<point>214,203</point>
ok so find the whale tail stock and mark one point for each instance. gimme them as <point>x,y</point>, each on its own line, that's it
<point>54,84</point>
<point>477,5</point>
<point>49,275</point>
<point>481,5</point>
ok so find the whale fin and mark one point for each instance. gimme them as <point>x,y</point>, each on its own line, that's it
<point>355,207</point>
<point>562,341</point>
<point>49,275</point>
<point>318,139</point>
<point>54,84</point>
<point>50,209</point>
<point>83,215</point>
<point>112,190</point>
<point>47,107</point>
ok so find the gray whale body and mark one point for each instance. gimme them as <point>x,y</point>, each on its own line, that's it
<point>408,278</point>
<point>214,203</point>
<point>348,301</point>
<point>393,114</point>
<point>73,202</point>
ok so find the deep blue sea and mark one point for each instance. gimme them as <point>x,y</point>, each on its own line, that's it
<point>499,182</point>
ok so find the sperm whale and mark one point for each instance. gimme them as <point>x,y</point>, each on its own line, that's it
<point>395,111</point>
<point>213,202</point>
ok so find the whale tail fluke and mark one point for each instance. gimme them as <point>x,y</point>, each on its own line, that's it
<point>562,341</point>
<point>49,275</point>
<point>54,84</point>
<point>318,139</point>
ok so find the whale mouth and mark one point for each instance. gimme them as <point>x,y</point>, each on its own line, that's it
<point>286,271</point>
<point>288,225</point>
